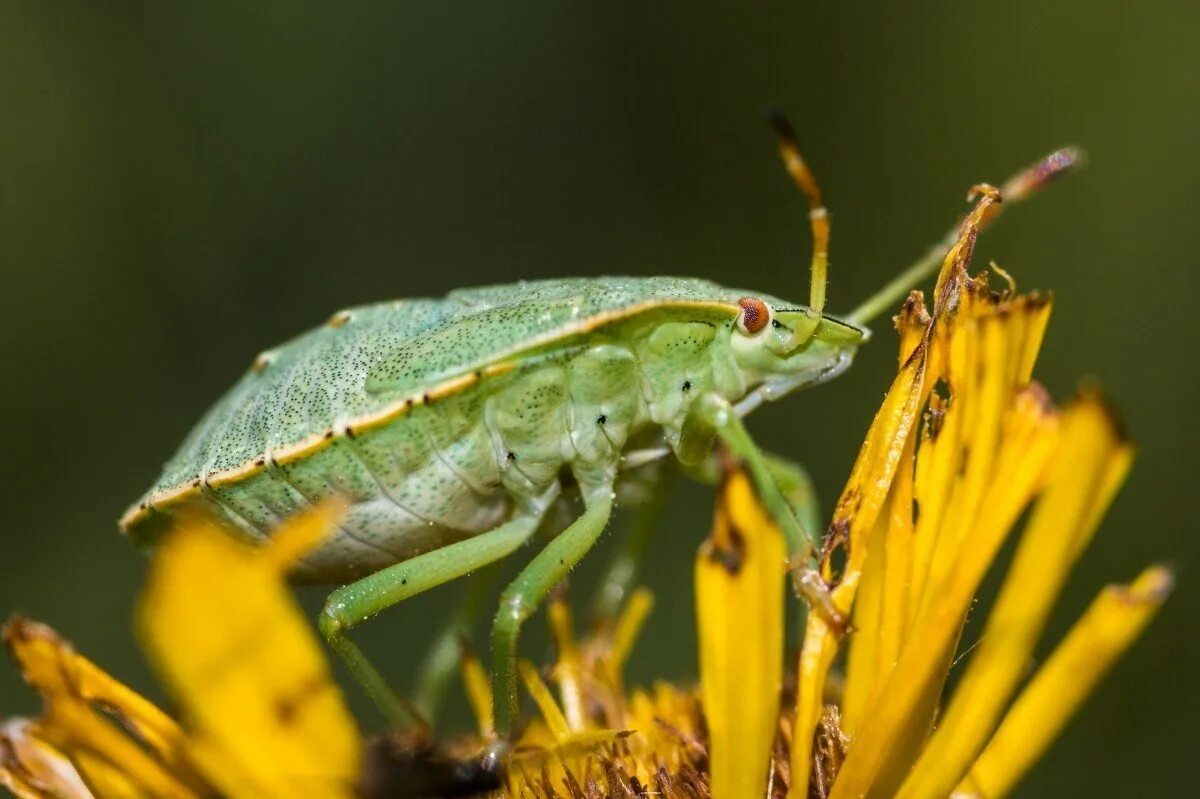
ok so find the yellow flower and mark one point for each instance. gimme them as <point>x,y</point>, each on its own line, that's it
<point>963,445</point>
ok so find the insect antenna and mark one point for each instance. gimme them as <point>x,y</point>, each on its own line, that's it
<point>1020,186</point>
<point>818,219</point>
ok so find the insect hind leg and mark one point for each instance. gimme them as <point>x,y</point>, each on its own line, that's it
<point>358,601</point>
<point>523,596</point>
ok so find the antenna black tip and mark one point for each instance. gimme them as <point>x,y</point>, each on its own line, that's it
<point>780,124</point>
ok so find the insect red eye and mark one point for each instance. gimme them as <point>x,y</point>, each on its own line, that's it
<point>754,316</point>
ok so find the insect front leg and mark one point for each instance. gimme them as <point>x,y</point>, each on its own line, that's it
<point>711,416</point>
<point>797,487</point>
<point>361,600</point>
<point>523,596</point>
<point>792,478</point>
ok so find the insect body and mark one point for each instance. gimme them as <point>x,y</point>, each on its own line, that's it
<point>439,419</point>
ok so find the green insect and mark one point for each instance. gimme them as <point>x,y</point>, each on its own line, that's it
<point>452,426</point>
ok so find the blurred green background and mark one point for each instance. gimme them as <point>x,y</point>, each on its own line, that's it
<point>184,184</point>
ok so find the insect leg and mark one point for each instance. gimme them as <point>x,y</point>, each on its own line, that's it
<point>360,600</point>
<point>522,597</point>
<point>797,488</point>
<point>710,416</point>
<point>791,477</point>
<point>1018,187</point>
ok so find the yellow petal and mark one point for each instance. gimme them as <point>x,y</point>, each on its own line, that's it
<point>740,579</point>
<point>881,605</point>
<point>626,631</point>
<point>1088,466</point>
<point>478,687</point>
<point>263,714</point>
<point>817,653</point>
<point>568,666</point>
<point>108,780</point>
<point>854,518</point>
<point>897,555</point>
<point>32,768</point>
<point>862,661</point>
<point>111,734</point>
<point>1110,625</point>
<point>938,464</point>
<point>551,713</point>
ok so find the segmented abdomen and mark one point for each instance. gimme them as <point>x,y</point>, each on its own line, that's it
<point>454,467</point>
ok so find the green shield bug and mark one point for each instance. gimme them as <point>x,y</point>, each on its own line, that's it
<point>449,425</point>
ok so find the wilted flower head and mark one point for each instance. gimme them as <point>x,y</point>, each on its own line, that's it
<point>962,446</point>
